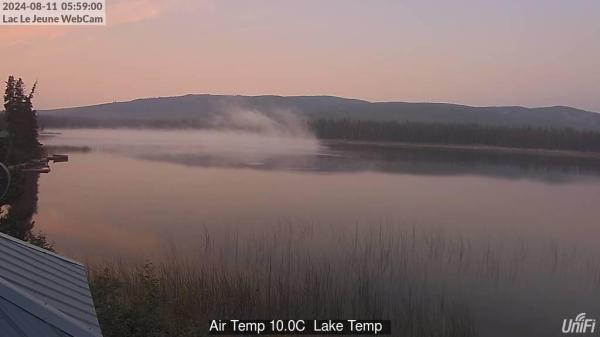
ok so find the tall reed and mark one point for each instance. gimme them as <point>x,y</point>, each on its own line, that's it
<point>303,272</point>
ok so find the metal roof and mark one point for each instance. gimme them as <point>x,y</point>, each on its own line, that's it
<point>43,294</point>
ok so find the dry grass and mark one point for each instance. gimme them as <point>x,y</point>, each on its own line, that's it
<point>294,272</point>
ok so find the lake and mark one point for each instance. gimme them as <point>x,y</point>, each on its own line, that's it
<point>530,224</point>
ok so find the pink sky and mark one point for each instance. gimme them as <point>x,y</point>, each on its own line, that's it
<point>532,53</point>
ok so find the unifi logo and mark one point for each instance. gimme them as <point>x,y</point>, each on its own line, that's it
<point>579,325</point>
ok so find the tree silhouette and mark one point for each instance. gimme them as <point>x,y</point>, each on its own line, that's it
<point>458,134</point>
<point>21,122</point>
<point>21,145</point>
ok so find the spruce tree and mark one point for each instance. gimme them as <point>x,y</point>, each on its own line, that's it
<point>10,106</point>
<point>21,122</point>
<point>9,116</point>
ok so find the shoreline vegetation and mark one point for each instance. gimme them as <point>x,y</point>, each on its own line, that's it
<point>459,136</point>
<point>420,279</point>
<point>368,276</point>
<point>464,148</point>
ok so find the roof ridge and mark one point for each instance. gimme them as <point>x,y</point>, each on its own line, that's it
<point>30,246</point>
<point>44,311</point>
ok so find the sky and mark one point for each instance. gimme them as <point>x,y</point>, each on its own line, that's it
<point>475,52</point>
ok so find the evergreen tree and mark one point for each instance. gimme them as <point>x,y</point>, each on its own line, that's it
<point>10,106</point>
<point>21,122</point>
<point>21,125</point>
<point>9,113</point>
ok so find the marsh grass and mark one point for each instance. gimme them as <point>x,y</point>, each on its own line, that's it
<point>404,275</point>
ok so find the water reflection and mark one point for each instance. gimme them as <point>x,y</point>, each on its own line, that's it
<point>502,245</point>
<point>340,157</point>
<point>421,160</point>
<point>19,208</point>
<point>235,185</point>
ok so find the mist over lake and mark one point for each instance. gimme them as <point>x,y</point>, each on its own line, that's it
<point>200,178</point>
<point>484,229</point>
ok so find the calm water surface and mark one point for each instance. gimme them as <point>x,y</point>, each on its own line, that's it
<point>133,193</point>
<point>130,191</point>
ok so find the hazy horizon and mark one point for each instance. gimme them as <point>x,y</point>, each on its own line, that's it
<point>477,53</point>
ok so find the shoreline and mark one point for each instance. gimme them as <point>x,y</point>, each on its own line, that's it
<point>468,148</point>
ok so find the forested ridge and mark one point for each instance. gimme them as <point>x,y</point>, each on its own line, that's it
<point>458,134</point>
<point>200,109</point>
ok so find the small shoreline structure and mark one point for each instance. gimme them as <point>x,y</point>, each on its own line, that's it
<point>41,165</point>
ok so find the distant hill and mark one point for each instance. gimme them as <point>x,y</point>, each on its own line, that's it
<point>195,110</point>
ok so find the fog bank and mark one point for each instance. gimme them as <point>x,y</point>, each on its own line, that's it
<point>240,134</point>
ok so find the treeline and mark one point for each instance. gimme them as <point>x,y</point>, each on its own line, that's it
<point>69,122</point>
<point>458,134</point>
